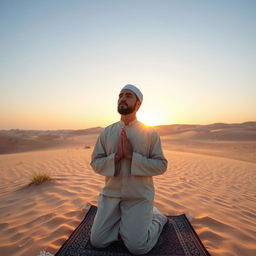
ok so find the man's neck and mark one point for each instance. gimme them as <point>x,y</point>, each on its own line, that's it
<point>128,118</point>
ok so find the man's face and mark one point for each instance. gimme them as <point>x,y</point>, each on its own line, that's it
<point>126,102</point>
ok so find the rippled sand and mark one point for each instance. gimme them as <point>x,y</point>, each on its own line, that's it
<point>217,193</point>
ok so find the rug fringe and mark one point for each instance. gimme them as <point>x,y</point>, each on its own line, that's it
<point>44,253</point>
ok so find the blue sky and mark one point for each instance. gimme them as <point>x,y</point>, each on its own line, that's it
<point>63,63</point>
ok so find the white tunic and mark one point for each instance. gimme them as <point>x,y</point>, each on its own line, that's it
<point>130,178</point>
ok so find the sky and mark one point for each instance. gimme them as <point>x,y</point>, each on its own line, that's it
<point>63,63</point>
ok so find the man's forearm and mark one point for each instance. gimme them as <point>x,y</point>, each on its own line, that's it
<point>144,166</point>
<point>104,165</point>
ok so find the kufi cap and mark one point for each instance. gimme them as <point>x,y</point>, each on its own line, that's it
<point>135,90</point>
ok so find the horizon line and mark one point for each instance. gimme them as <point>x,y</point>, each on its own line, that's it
<point>95,127</point>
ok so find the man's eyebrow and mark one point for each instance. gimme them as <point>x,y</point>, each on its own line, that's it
<point>127,93</point>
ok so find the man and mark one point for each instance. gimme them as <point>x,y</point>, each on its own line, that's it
<point>128,154</point>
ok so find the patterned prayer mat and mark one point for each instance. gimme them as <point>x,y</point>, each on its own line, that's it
<point>178,238</point>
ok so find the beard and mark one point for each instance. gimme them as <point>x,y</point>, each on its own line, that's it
<point>126,111</point>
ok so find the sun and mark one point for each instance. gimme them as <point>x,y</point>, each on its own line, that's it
<point>150,119</point>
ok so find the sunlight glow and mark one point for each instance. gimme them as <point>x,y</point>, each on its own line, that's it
<point>150,118</point>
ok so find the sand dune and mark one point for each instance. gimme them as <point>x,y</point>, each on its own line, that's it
<point>216,191</point>
<point>218,131</point>
<point>15,140</point>
<point>240,150</point>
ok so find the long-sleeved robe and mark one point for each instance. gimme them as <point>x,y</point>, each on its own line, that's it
<point>131,179</point>
<point>126,200</point>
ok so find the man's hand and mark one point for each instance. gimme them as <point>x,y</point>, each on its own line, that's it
<point>127,146</point>
<point>120,154</point>
<point>124,147</point>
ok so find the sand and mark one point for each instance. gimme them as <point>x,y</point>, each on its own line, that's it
<point>214,188</point>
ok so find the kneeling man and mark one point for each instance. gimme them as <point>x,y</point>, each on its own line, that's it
<point>128,154</point>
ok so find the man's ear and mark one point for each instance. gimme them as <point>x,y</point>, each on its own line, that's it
<point>138,104</point>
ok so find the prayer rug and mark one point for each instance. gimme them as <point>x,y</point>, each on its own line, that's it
<point>178,238</point>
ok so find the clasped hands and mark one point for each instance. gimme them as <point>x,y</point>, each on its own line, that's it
<point>124,147</point>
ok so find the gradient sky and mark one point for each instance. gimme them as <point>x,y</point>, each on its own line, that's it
<point>63,63</point>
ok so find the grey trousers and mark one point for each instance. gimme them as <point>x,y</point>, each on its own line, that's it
<point>133,219</point>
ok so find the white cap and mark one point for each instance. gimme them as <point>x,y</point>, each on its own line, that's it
<point>135,90</point>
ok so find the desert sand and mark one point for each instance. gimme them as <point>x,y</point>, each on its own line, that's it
<point>211,178</point>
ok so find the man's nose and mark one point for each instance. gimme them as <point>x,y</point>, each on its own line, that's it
<point>122,99</point>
